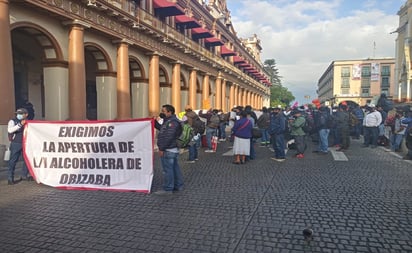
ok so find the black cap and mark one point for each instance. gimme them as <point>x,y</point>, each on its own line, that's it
<point>21,111</point>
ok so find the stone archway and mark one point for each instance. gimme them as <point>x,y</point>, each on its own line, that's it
<point>39,71</point>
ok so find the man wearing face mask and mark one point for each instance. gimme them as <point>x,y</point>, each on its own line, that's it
<point>169,130</point>
<point>15,129</point>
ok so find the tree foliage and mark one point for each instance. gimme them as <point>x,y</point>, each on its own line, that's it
<point>279,95</point>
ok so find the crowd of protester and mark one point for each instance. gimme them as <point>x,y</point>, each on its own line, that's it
<point>289,128</point>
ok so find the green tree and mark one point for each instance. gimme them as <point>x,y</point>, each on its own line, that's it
<point>270,67</point>
<point>279,95</point>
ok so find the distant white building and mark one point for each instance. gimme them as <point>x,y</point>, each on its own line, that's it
<point>357,81</point>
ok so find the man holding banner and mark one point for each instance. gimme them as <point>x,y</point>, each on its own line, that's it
<point>15,130</point>
<point>169,130</point>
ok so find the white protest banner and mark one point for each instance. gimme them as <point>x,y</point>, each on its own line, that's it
<point>91,155</point>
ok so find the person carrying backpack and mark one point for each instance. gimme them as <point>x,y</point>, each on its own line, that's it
<point>296,125</point>
<point>212,125</point>
<point>196,123</point>
<point>343,127</point>
<point>323,122</point>
<point>263,123</point>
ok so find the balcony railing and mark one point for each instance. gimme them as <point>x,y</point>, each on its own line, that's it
<point>144,19</point>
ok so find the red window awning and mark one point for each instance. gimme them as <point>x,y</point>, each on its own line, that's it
<point>224,51</point>
<point>198,33</point>
<point>213,42</point>
<point>245,65</point>
<point>165,8</point>
<point>238,59</point>
<point>187,22</point>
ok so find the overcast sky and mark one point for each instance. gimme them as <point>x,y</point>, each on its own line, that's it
<point>305,36</point>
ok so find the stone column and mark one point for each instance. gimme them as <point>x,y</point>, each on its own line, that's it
<point>224,100</point>
<point>244,97</point>
<point>192,87</point>
<point>176,93</point>
<point>231,96</point>
<point>7,95</point>
<point>123,81</point>
<point>236,94</point>
<point>218,92</point>
<point>77,73</point>
<point>205,90</point>
<point>154,86</point>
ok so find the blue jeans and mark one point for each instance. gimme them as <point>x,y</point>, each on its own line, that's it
<point>396,141</point>
<point>279,145</point>
<point>265,136</point>
<point>193,150</point>
<point>370,135</point>
<point>323,140</point>
<point>358,129</point>
<point>252,152</point>
<point>16,149</point>
<point>336,137</point>
<point>171,171</point>
<point>222,130</point>
<point>209,133</point>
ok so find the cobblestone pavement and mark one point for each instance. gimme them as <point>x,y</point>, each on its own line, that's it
<point>363,204</point>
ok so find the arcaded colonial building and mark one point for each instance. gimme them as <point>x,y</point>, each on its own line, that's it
<point>120,59</point>
<point>357,81</point>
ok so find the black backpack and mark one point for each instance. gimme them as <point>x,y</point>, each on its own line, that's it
<point>199,126</point>
<point>309,125</point>
<point>214,121</point>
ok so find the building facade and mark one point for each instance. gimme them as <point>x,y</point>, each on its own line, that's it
<point>120,59</point>
<point>357,81</point>
<point>403,74</point>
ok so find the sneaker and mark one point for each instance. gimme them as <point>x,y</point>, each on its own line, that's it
<point>278,159</point>
<point>222,139</point>
<point>163,193</point>
<point>190,161</point>
<point>210,151</point>
<point>196,159</point>
<point>300,156</point>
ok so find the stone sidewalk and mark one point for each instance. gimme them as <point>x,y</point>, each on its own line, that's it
<point>359,205</point>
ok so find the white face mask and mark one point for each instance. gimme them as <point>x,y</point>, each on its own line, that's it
<point>19,116</point>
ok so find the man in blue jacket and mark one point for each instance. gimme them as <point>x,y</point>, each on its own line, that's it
<point>169,130</point>
<point>277,132</point>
